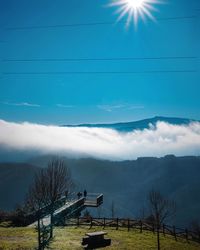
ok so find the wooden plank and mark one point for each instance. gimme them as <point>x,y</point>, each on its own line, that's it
<point>96,233</point>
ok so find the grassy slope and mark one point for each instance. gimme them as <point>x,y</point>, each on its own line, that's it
<point>70,238</point>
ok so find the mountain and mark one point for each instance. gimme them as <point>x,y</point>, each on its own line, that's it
<point>15,179</point>
<point>125,183</point>
<point>141,124</point>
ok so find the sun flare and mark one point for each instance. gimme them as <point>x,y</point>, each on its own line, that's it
<point>134,9</point>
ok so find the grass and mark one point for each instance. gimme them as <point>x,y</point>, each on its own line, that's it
<point>17,238</point>
<point>69,238</point>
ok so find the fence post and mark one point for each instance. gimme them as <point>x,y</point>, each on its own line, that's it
<point>186,235</point>
<point>117,224</point>
<point>153,226</point>
<point>174,232</point>
<point>128,224</point>
<point>141,226</point>
<point>104,222</point>
<point>39,235</point>
<point>90,222</point>
<point>164,229</point>
<point>78,222</point>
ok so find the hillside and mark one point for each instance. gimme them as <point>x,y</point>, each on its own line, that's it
<point>125,183</point>
<point>15,179</point>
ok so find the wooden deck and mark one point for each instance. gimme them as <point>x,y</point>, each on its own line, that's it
<point>93,200</point>
<point>68,209</point>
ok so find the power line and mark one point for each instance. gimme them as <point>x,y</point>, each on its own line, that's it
<point>99,72</point>
<point>91,24</point>
<point>100,59</point>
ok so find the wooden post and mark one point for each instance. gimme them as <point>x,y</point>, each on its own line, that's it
<point>164,229</point>
<point>39,235</point>
<point>158,235</point>
<point>174,231</point>
<point>104,222</point>
<point>153,226</point>
<point>186,235</point>
<point>128,225</point>
<point>141,226</point>
<point>90,222</point>
<point>117,224</point>
<point>78,222</point>
<point>51,224</point>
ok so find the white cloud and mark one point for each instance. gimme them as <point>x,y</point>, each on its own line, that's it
<point>110,108</point>
<point>136,107</point>
<point>22,104</point>
<point>64,106</point>
<point>102,143</point>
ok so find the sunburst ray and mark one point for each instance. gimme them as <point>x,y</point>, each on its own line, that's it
<point>135,9</point>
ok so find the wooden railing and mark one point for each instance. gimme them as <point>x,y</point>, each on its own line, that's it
<point>44,211</point>
<point>93,200</point>
<point>100,200</point>
<point>77,205</point>
<point>140,225</point>
<point>70,211</point>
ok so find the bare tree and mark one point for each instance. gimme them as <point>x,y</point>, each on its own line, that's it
<point>48,186</point>
<point>36,199</point>
<point>57,180</point>
<point>195,227</point>
<point>37,195</point>
<point>161,209</point>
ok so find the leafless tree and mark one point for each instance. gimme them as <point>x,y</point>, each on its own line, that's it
<point>37,195</point>
<point>57,181</point>
<point>195,227</point>
<point>48,186</point>
<point>161,209</point>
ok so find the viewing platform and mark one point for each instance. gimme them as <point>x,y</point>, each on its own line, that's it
<point>67,208</point>
<point>93,200</point>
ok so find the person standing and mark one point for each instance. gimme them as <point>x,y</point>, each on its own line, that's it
<point>85,193</point>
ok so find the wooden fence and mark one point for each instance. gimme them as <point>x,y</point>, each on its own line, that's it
<point>140,225</point>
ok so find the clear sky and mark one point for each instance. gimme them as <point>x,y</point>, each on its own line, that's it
<point>34,29</point>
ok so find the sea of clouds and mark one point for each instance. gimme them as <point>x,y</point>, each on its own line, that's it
<point>159,140</point>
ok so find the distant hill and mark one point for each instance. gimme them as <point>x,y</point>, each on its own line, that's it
<point>125,183</point>
<point>15,179</point>
<point>142,124</point>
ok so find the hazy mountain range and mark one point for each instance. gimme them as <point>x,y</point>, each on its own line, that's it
<point>125,183</point>
<point>141,124</point>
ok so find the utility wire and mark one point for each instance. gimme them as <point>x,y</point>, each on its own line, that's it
<point>100,59</point>
<point>99,72</point>
<point>91,24</point>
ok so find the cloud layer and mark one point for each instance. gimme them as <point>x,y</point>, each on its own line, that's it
<point>26,104</point>
<point>102,143</point>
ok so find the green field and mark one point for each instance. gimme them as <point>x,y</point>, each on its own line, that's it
<point>70,238</point>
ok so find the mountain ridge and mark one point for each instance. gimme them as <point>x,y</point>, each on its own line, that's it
<point>140,124</point>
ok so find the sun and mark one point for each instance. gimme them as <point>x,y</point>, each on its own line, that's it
<point>135,3</point>
<point>134,9</point>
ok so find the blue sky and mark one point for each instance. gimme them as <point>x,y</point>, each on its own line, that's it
<point>78,98</point>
